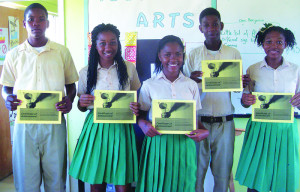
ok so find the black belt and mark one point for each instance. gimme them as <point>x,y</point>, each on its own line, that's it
<point>212,119</point>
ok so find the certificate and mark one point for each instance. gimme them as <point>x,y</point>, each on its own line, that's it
<point>174,116</point>
<point>273,107</point>
<point>38,107</point>
<point>222,75</point>
<point>111,106</point>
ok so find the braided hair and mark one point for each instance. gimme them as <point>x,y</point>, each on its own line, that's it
<point>94,59</point>
<point>161,45</point>
<point>268,27</point>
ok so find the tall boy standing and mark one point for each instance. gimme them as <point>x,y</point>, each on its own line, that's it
<point>39,150</point>
<point>217,110</point>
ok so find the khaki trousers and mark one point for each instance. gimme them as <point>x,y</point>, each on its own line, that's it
<point>39,152</point>
<point>217,150</point>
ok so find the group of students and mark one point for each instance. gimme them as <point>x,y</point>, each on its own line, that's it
<point>106,152</point>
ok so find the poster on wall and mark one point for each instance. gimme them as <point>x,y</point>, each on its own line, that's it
<point>3,44</point>
<point>130,46</point>
<point>13,24</point>
<point>151,19</point>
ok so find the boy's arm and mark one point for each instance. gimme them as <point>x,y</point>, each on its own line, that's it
<point>248,99</point>
<point>189,69</point>
<point>65,105</point>
<point>11,101</point>
<point>71,91</point>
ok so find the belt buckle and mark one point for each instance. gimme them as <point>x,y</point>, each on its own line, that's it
<point>212,119</point>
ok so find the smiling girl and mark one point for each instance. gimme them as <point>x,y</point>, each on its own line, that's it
<point>168,162</point>
<point>269,159</point>
<point>105,153</point>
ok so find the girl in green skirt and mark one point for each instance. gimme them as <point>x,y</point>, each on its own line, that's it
<point>269,159</point>
<point>105,152</point>
<point>168,162</point>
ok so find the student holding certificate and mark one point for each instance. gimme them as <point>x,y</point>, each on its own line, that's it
<point>106,152</point>
<point>269,159</point>
<point>168,162</point>
<point>39,150</point>
<point>217,110</point>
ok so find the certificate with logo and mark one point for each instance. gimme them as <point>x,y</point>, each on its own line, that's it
<point>273,107</point>
<point>38,107</point>
<point>112,106</point>
<point>222,75</point>
<point>174,116</point>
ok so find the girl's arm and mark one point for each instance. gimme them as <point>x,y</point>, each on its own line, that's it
<point>295,101</point>
<point>146,126</point>
<point>135,106</point>
<point>84,101</point>
<point>198,134</point>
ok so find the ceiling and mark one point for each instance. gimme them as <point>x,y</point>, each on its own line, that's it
<point>51,5</point>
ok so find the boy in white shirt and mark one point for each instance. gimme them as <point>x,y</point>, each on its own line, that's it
<point>217,110</point>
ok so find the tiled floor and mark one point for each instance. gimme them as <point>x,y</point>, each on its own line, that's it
<point>7,184</point>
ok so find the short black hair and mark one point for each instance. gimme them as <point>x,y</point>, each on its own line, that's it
<point>33,6</point>
<point>161,45</point>
<point>209,11</point>
<point>268,27</point>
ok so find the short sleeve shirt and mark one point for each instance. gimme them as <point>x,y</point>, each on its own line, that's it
<point>284,79</point>
<point>216,103</point>
<point>159,87</point>
<point>50,70</point>
<point>107,79</point>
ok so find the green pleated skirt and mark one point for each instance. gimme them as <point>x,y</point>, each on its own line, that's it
<point>168,164</point>
<point>269,159</point>
<point>105,153</point>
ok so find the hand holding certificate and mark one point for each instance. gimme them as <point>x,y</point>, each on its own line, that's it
<point>112,106</point>
<point>222,75</point>
<point>38,107</point>
<point>174,116</point>
<point>273,107</point>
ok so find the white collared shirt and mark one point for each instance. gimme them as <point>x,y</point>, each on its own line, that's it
<point>27,69</point>
<point>107,79</point>
<point>216,103</point>
<point>284,79</point>
<point>159,87</point>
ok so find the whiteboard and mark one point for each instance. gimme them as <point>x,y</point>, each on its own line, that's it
<point>242,20</point>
